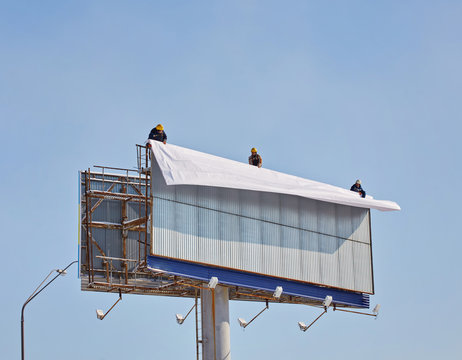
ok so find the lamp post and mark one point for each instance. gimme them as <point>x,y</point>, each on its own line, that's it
<point>37,291</point>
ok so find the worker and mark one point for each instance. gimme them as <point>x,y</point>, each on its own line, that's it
<point>357,187</point>
<point>255,159</point>
<point>158,134</point>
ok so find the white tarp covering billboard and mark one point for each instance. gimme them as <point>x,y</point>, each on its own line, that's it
<point>181,166</point>
<point>261,227</point>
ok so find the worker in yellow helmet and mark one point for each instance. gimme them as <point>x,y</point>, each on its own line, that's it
<point>158,134</point>
<point>255,159</point>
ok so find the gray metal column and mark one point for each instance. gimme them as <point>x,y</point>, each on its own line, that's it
<point>216,343</point>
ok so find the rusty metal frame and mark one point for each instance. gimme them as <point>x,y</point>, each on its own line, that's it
<point>95,192</point>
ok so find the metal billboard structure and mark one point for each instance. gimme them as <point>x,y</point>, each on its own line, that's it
<point>142,233</point>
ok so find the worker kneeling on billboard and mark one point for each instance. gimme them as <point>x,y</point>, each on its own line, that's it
<point>158,134</point>
<point>357,188</point>
<point>255,159</point>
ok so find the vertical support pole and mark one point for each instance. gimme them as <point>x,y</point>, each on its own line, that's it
<point>88,220</point>
<point>90,227</point>
<point>124,230</point>
<point>146,212</point>
<point>216,343</point>
<point>139,212</point>
<point>87,229</point>
<point>149,199</point>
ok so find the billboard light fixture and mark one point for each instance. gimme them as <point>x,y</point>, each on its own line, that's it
<point>100,313</point>
<point>327,301</point>
<point>278,292</point>
<point>180,319</point>
<point>213,282</point>
<point>244,323</point>
<point>302,326</point>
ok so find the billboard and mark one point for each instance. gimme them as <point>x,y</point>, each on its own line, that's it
<point>184,217</point>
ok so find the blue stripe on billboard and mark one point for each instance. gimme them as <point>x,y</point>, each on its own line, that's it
<point>256,281</point>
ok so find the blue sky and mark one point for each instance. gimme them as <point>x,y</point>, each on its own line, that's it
<point>330,91</point>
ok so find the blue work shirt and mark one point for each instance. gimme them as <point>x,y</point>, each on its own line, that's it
<point>358,189</point>
<point>157,135</point>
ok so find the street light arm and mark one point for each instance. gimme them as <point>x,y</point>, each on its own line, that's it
<point>32,296</point>
<point>35,293</point>
<point>38,287</point>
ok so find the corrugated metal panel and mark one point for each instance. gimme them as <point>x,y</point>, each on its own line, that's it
<point>272,234</point>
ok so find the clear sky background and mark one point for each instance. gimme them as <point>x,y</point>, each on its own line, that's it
<point>327,90</point>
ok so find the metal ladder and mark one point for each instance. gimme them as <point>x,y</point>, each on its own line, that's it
<point>198,326</point>
<point>143,156</point>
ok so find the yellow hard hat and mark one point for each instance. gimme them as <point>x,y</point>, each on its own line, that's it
<point>253,150</point>
<point>159,127</point>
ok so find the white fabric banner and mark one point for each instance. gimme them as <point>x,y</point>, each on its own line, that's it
<point>182,166</point>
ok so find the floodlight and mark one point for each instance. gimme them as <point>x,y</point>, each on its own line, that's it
<point>376,309</point>
<point>304,327</point>
<point>242,322</point>
<point>100,314</point>
<point>277,292</point>
<point>327,301</point>
<point>213,282</point>
<point>179,319</point>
